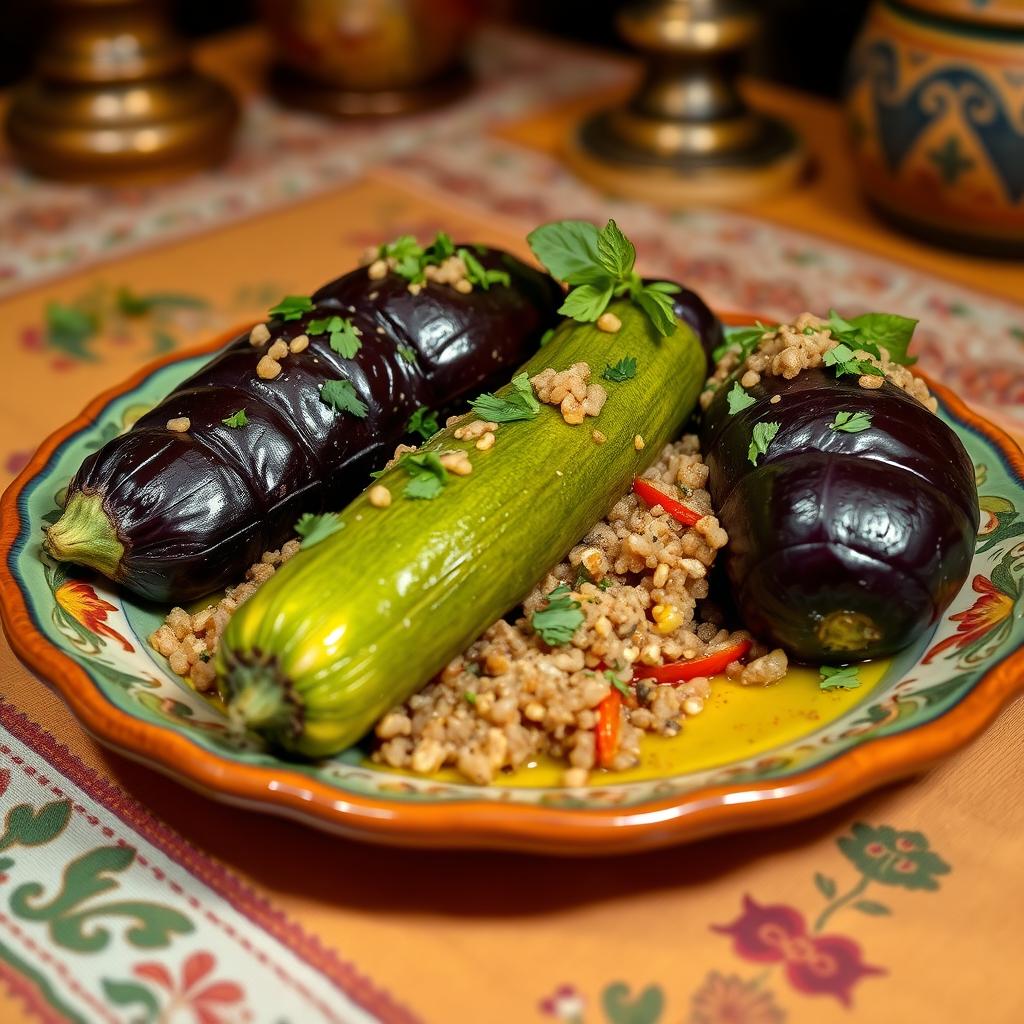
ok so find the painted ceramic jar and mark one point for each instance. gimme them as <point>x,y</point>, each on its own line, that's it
<point>935,100</point>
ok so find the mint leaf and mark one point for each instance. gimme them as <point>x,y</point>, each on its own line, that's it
<point>763,435</point>
<point>664,286</point>
<point>422,422</point>
<point>236,419</point>
<point>519,404</point>
<point>890,330</point>
<point>292,307</point>
<point>313,529</point>
<point>851,422</point>
<point>587,302</point>
<point>844,678</point>
<point>659,308</point>
<point>624,369</point>
<point>428,475</point>
<point>619,685</point>
<point>556,623</point>
<point>341,395</point>
<point>738,399</point>
<point>568,249</point>
<point>615,252</point>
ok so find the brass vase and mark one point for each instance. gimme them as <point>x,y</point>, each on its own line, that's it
<point>357,58</point>
<point>115,99</point>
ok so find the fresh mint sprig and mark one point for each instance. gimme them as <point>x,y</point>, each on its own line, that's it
<point>598,266</point>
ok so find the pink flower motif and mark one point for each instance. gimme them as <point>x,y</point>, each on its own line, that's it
<point>211,1002</point>
<point>565,1004</point>
<point>815,964</point>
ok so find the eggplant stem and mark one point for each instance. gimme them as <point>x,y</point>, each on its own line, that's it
<point>85,534</point>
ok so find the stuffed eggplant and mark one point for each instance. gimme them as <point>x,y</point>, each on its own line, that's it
<point>292,416</point>
<point>850,505</point>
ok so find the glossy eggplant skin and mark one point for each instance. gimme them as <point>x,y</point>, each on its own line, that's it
<point>694,311</point>
<point>194,510</point>
<point>843,546</point>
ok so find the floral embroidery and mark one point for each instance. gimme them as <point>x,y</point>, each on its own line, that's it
<point>728,999</point>
<point>81,602</point>
<point>893,858</point>
<point>565,1004</point>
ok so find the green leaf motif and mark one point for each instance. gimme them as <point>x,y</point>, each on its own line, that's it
<point>646,1008</point>
<point>73,926</point>
<point>132,993</point>
<point>872,908</point>
<point>26,827</point>
<point>826,886</point>
<point>890,857</point>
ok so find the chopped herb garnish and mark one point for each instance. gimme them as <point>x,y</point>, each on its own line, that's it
<point>292,307</point>
<point>470,697</point>
<point>236,419</point>
<point>743,341</point>
<point>423,422</point>
<point>313,529</point>
<point>606,583</point>
<point>851,422</point>
<point>342,396</point>
<point>519,404</point>
<point>619,685</point>
<point>556,623</point>
<point>843,360</point>
<point>624,369</point>
<point>204,656</point>
<point>408,256</point>
<point>599,267</point>
<point>845,678</point>
<point>547,336</point>
<point>344,336</point>
<point>763,435</point>
<point>871,332</point>
<point>738,399</point>
<point>477,274</point>
<point>429,477</point>
<point>407,353</point>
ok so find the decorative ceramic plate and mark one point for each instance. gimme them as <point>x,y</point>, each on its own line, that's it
<point>754,757</point>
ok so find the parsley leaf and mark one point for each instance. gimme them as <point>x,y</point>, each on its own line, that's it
<point>422,422</point>
<point>851,422</point>
<point>624,369</point>
<point>344,335</point>
<point>429,477</point>
<point>292,307</point>
<point>843,360</point>
<point>479,275</point>
<point>236,419</point>
<point>313,529</point>
<point>407,353</point>
<point>441,248</point>
<point>408,256</point>
<point>743,340</point>
<point>547,336</point>
<point>519,404</point>
<point>556,623</point>
<point>845,678</point>
<point>738,399</point>
<point>342,396</point>
<point>763,435</point>
<point>469,696</point>
<point>619,685</point>
<point>872,331</point>
<point>599,266</point>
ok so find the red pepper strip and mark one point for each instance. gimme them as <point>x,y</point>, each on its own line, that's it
<point>609,725</point>
<point>680,671</point>
<point>676,509</point>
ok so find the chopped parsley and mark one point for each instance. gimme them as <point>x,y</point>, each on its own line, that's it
<point>619,685</point>
<point>292,307</point>
<point>763,435</point>
<point>423,422</point>
<point>742,340</point>
<point>843,360</point>
<point>851,422</point>
<point>470,697</point>
<point>624,369</point>
<point>344,335</point>
<point>845,678</point>
<point>738,399</point>
<point>407,353</point>
<point>547,336</point>
<point>556,623</point>
<point>313,529</point>
<point>477,274</point>
<point>427,476</point>
<point>519,404</point>
<point>341,395</point>
<point>598,265</point>
<point>236,419</point>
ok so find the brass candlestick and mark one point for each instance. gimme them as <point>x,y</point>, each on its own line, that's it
<point>687,136</point>
<point>115,99</point>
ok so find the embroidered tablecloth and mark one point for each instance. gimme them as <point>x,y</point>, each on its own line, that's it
<point>124,897</point>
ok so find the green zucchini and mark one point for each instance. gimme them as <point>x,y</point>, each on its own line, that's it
<point>364,618</point>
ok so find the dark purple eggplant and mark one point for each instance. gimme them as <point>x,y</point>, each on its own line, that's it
<point>694,311</point>
<point>843,546</point>
<point>175,515</point>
